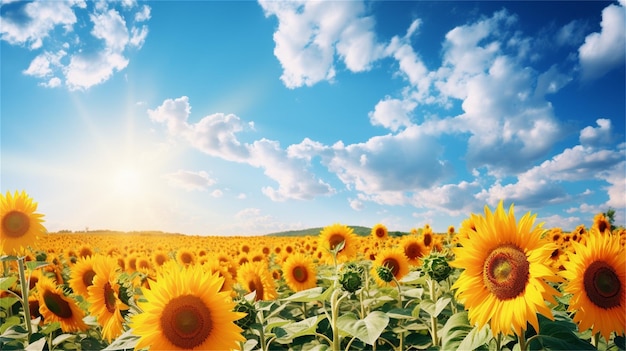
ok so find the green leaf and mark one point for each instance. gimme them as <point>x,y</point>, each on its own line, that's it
<point>63,337</point>
<point>32,265</point>
<point>368,329</point>
<point>9,322</point>
<point>415,293</point>
<point>8,258</point>
<point>274,322</point>
<point>313,294</point>
<point>7,302</point>
<point>434,309</point>
<point>558,335</point>
<point>400,313</point>
<point>250,344</point>
<point>37,345</point>
<point>290,331</point>
<point>476,337</point>
<point>125,341</point>
<point>455,330</point>
<point>7,282</point>
<point>413,277</point>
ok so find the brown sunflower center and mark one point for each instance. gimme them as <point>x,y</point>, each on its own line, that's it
<point>413,251</point>
<point>186,321</point>
<point>15,224</point>
<point>602,226</point>
<point>335,240</point>
<point>88,277</point>
<point>300,274</point>
<point>256,285</point>
<point>160,259</point>
<point>380,232</point>
<point>602,285</point>
<point>505,272</point>
<point>109,297</point>
<point>186,258</point>
<point>428,239</point>
<point>57,304</point>
<point>392,264</point>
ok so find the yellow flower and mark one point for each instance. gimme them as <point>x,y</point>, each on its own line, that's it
<point>185,257</point>
<point>104,297</point>
<point>335,234</point>
<point>255,276</point>
<point>20,224</point>
<point>82,275</point>
<point>56,307</point>
<point>379,232</point>
<point>414,249</point>
<point>395,260</point>
<point>299,272</point>
<point>596,276</point>
<point>506,269</point>
<point>601,223</point>
<point>185,310</point>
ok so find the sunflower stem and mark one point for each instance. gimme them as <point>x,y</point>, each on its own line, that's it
<point>522,341</point>
<point>400,322</point>
<point>334,309</point>
<point>24,286</point>
<point>433,319</point>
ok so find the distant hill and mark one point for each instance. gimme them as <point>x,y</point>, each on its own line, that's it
<point>358,230</point>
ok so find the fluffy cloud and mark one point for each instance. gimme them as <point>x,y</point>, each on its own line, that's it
<point>597,136</point>
<point>190,180</point>
<point>216,135</point>
<point>605,50</point>
<point>82,64</point>
<point>310,34</point>
<point>392,113</point>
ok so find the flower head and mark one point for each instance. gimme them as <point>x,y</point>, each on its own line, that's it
<point>20,226</point>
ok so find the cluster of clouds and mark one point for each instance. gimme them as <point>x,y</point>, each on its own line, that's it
<point>507,123</point>
<point>69,58</point>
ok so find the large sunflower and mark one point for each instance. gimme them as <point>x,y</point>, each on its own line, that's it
<point>184,309</point>
<point>299,272</point>
<point>20,225</point>
<point>104,297</point>
<point>596,276</point>
<point>335,234</point>
<point>506,269</point>
<point>395,260</point>
<point>56,307</point>
<point>255,276</point>
<point>82,275</point>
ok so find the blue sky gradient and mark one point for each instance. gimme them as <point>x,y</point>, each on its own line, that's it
<point>243,118</point>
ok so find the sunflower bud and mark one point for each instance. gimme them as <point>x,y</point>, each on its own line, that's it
<point>384,273</point>
<point>351,277</point>
<point>245,306</point>
<point>436,266</point>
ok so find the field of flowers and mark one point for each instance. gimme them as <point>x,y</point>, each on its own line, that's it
<point>497,283</point>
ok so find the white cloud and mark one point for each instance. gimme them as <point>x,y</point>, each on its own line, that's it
<point>81,63</point>
<point>310,34</point>
<point>571,33</point>
<point>451,199</point>
<point>557,221</point>
<point>392,113</point>
<point>190,180</point>
<point>356,204</point>
<point>605,50</point>
<point>217,193</point>
<point>41,18</point>
<point>597,136</point>
<point>143,15</point>
<point>216,135</point>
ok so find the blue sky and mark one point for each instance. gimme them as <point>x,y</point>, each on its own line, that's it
<point>242,118</point>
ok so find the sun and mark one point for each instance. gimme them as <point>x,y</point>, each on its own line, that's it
<point>127,181</point>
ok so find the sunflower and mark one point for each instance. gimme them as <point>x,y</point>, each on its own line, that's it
<point>216,267</point>
<point>104,297</point>
<point>186,310</point>
<point>395,260</point>
<point>82,275</point>
<point>54,306</point>
<point>20,226</point>
<point>335,234</point>
<point>596,278</point>
<point>299,272</point>
<point>414,249</point>
<point>255,276</point>
<point>601,223</point>
<point>379,232</point>
<point>185,257</point>
<point>506,269</point>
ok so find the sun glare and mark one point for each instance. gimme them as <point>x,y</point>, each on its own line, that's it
<point>127,182</point>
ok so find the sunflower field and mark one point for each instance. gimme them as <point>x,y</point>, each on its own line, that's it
<point>498,283</point>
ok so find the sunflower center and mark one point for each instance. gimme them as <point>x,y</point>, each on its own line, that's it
<point>88,277</point>
<point>505,272</point>
<point>413,251</point>
<point>300,274</point>
<point>109,297</point>
<point>602,226</point>
<point>335,240</point>
<point>186,258</point>
<point>57,304</point>
<point>15,224</point>
<point>186,321</point>
<point>428,239</point>
<point>602,285</point>
<point>256,285</point>
<point>380,232</point>
<point>392,264</point>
